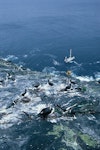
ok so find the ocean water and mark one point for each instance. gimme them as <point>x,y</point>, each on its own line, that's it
<point>35,36</point>
<point>38,32</point>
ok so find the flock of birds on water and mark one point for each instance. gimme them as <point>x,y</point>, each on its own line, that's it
<point>61,98</point>
<point>45,112</point>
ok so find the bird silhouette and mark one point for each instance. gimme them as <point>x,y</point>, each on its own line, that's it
<point>50,83</point>
<point>45,112</point>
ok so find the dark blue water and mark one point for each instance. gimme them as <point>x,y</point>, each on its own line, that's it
<point>38,32</point>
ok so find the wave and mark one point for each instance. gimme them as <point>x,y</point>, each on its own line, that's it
<point>56,63</point>
<point>10,58</point>
<point>85,78</point>
<point>21,102</point>
<point>97,62</point>
<point>50,55</point>
<point>97,76</point>
<point>25,56</point>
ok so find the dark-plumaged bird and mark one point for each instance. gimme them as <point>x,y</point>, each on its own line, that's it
<point>50,83</point>
<point>23,94</point>
<point>79,88</point>
<point>12,104</point>
<point>10,77</point>
<point>36,85</point>
<point>25,99</point>
<point>73,82</point>
<point>45,112</point>
<point>1,82</point>
<point>67,87</point>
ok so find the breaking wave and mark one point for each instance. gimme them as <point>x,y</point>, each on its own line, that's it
<point>10,58</point>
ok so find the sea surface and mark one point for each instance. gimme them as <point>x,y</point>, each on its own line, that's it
<point>35,37</point>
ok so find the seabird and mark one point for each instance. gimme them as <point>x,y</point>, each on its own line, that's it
<point>25,99</point>
<point>50,83</point>
<point>23,94</point>
<point>1,82</point>
<point>68,87</point>
<point>73,82</point>
<point>13,103</point>
<point>98,81</point>
<point>45,112</point>
<point>36,85</point>
<point>10,77</point>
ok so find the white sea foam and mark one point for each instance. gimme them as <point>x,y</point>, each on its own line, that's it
<point>83,78</point>
<point>25,56</point>
<point>51,94</point>
<point>79,65</point>
<point>50,55</point>
<point>10,58</point>
<point>56,63</point>
<point>97,62</point>
<point>97,76</point>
